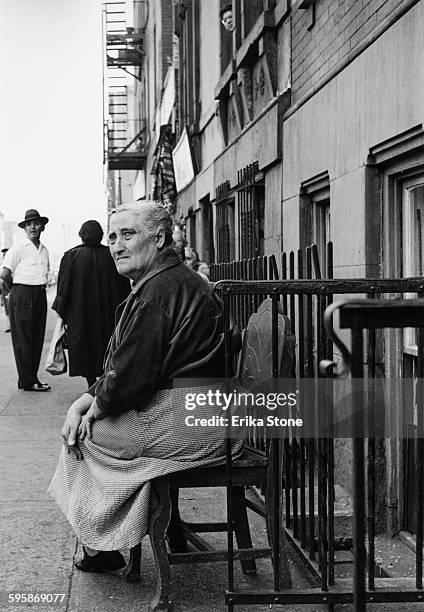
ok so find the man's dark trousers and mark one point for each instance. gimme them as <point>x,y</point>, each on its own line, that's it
<point>28,311</point>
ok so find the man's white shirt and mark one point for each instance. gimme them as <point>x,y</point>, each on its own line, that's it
<point>29,265</point>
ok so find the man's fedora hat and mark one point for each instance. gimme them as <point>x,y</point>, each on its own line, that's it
<point>32,215</point>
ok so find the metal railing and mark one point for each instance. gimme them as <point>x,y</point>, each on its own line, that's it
<point>308,464</point>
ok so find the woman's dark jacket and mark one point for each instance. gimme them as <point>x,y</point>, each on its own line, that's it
<point>88,291</point>
<point>170,326</point>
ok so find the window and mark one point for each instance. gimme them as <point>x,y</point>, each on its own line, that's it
<point>191,229</point>
<point>399,166</point>
<point>208,251</point>
<point>396,179</point>
<point>251,211</point>
<point>187,29</point>
<point>412,240</point>
<point>250,11</point>
<point>224,203</point>
<point>413,265</point>
<point>315,226</point>
<point>321,229</point>
<point>226,42</point>
<point>246,14</point>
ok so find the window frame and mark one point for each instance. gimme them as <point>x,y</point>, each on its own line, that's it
<point>408,209</point>
<point>390,165</point>
<point>315,215</point>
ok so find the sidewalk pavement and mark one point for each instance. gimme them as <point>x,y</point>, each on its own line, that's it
<point>38,545</point>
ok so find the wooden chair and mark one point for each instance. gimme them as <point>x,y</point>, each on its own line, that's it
<point>252,468</point>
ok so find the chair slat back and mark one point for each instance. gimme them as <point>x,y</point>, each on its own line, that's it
<point>255,362</point>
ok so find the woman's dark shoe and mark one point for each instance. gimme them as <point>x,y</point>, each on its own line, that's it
<point>104,561</point>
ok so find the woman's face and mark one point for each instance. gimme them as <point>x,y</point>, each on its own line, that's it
<point>130,247</point>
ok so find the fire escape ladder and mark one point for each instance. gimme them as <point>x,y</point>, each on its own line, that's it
<point>127,134</point>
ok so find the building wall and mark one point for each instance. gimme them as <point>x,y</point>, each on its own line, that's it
<point>211,139</point>
<point>273,218</point>
<point>209,53</point>
<point>158,59</point>
<point>331,131</point>
<point>366,103</point>
<point>338,28</point>
<point>165,37</point>
<point>378,95</point>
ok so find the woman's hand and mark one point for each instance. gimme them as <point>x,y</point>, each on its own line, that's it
<point>72,424</point>
<point>86,426</point>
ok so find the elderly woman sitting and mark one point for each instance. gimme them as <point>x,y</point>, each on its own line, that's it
<point>129,427</point>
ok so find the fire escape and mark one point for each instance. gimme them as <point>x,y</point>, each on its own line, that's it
<point>126,132</point>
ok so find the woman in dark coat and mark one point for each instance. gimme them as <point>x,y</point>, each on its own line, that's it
<point>171,327</point>
<point>88,291</point>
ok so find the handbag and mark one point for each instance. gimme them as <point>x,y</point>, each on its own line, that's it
<point>56,362</point>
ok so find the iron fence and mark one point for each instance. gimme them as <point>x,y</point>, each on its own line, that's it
<point>308,464</point>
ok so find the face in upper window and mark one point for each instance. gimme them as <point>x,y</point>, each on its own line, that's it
<point>130,246</point>
<point>227,21</point>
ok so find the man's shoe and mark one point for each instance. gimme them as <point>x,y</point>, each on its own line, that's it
<point>104,561</point>
<point>38,387</point>
<point>44,386</point>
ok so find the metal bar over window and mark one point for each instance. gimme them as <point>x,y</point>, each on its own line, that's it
<point>223,233</point>
<point>250,211</point>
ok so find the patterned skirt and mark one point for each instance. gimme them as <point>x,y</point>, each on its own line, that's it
<point>106,496</point>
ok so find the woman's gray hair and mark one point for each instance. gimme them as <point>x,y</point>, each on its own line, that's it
<point>153,217</point>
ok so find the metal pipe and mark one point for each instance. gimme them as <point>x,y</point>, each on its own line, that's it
<point>358,468</point>
<point>420,461</point>
<point>302,446</point>
<point>276,453</point>
<point>311,441</point>
<point>371,460</point>
<point>330,441</point>
<point>230,545</point>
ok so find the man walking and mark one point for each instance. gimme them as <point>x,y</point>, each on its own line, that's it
<point>24,272</point>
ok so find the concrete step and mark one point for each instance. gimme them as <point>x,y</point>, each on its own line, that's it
<point>343,510</point>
